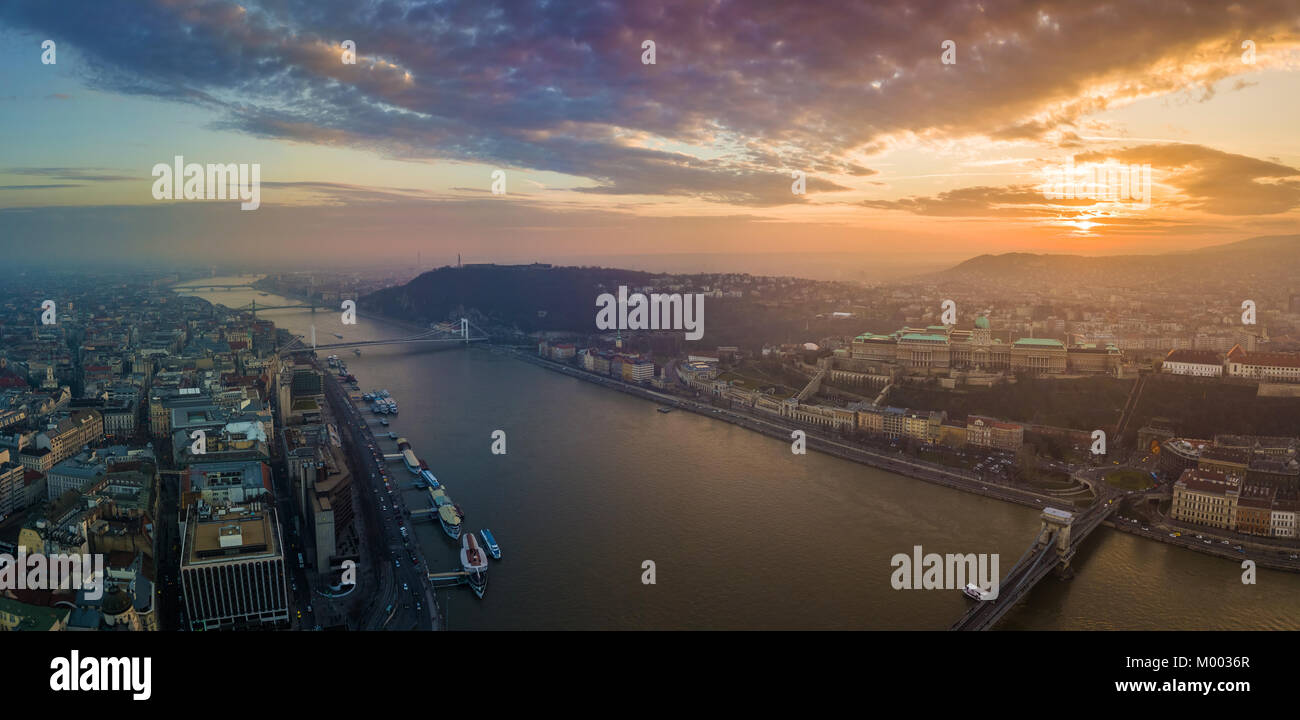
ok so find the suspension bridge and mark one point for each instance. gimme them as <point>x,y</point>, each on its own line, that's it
<point>218,286</point>
<point>467,333</point>
<point>1059,537</point>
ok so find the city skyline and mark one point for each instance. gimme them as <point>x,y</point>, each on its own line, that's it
<point>914,159</point>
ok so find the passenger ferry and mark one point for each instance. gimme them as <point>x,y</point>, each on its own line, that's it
<point>475,563</point>
<point>491,543</point>
<point>412,462</point>
<point>392,435</point>
<point>429,479</point>
<point>383,421</point>
<point>450,520</point>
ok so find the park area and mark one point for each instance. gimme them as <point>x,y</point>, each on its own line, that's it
<point>1130,479</point>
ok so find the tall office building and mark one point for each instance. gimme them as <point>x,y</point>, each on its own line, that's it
<point>232,567</point>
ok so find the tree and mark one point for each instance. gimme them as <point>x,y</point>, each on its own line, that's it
<point>1027,462</point>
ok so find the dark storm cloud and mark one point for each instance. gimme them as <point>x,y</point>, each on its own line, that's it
<point>560,85</point>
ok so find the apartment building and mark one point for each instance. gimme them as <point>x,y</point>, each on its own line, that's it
<point>1206,497</point>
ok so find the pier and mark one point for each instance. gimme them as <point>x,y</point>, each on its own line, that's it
<point>456,577</point>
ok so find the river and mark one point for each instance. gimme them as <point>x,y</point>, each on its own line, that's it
<point>743,534</point>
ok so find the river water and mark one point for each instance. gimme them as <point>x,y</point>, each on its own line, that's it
<point>742,533</point>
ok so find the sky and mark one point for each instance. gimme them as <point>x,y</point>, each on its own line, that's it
<point>925,132</point>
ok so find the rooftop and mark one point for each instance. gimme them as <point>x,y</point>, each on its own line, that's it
<point>1039,342</point>
<point>237,533</point>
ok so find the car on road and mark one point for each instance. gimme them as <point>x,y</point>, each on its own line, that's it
<point>397,563</point>
<point>404,587</point>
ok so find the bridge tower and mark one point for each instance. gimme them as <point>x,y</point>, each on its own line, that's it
<point>464,330</point>
<point>1059,523</point>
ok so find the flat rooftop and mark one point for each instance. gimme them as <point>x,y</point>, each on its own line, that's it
<point>233,535</point>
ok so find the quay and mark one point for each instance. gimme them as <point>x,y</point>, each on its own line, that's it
<point>357,437</point>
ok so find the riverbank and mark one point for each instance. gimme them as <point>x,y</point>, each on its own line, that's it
<point>937,475</point>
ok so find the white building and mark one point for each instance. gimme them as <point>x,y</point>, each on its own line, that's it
<point>1264,366</point>
<point>1198,363</point>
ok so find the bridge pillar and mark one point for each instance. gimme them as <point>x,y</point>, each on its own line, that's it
<point>1059,522</point>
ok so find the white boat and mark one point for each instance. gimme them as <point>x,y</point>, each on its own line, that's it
<point>474,560</point>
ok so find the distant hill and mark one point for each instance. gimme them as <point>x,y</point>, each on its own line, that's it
<point>1272,258</point>
<point>526,298</point>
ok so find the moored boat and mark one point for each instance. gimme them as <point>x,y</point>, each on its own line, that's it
<point>474,561</point>
<point>450,520</point>
<point>429,479</point>
<point>491,543</point>
<point>412,462</point>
